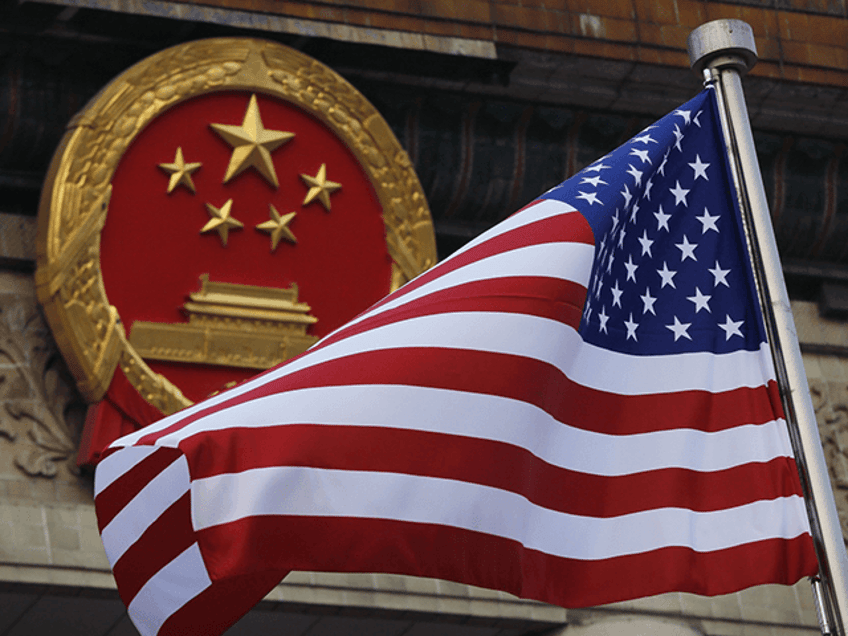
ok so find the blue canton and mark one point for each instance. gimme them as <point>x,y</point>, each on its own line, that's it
<point>671,273</point>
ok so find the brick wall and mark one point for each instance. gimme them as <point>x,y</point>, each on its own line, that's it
<point>798,40</point>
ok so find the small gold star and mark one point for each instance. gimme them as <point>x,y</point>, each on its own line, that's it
<point>221,221</point>
<point>180,171</point>
<point>252,144</point>
<point>320,187</point>
<point>278,227</point>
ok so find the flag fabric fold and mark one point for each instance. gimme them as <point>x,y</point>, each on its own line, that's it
<point>577,407</point>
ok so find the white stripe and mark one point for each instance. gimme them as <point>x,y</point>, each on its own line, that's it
<point>503,420</point>
<point>168,590</point>
<point>156,497</point>
<point>544,209</point>
<point>562,261</point>
<point>335,493</point>
<point>557,344</point>
<point>534,337</point>
<point>117,464</point>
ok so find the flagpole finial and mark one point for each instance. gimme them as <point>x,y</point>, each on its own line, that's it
<point>722,43</point>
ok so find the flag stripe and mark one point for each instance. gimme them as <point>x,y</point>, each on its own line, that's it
<point>520,424</point>
<point>567,261</point>
<point>519,335</point>
<point>357,545</point>
<point>165,539</point>
<point>476,381</point>
<point>532,213</point>
<point>552,222</point>
<point>169,589</point>
<point>499,465</point>
<point>544,297</point>
<point>298,490</point>
<point>110,469</point>
<point>113,498</point>
<point>157,495</point>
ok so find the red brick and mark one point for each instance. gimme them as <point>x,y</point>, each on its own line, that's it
<point>648,55</point>
<point>609,8</point>
<point>597,48</point>
<point>475,31</point>
<point>679,59</point>
<point>530,40</point>
<point>650,34</point>
<point>520,18</point>
<point>560,22</point>
<point>691,13</point>
<point>827,30</point>
<point>793,26</point>
<point>473,11</point>
<point>437,9</point>
<point>330,14</point>
<point>656,11</point>
<point>589,47</point>
<point>795,53</point>
<point>675,36</point>
<point>619,51</point>
<point>719,11</point>
<point>767,69</point>
<point>443,27</point>
<point>835,57</point>
<point>620,30</point>
<point>763,21</point>
<point>358,17</point>
<point>560,44</point>
<point>821,76</point>
<point>767,48</point>
<point>396,22</point>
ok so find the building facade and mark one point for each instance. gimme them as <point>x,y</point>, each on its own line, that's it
<point>494,102</point>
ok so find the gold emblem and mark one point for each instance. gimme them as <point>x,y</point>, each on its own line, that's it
<point>221,221</point>
<point>180,172</point>
<point>278,227</point>
<point>76,199</point>
<point>320,187</point>
<point>252,144</point>
<point>229,324</point>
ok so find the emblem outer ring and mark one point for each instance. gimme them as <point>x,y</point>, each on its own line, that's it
<point>75,197</point>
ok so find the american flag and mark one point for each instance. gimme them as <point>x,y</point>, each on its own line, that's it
<point>578,407</point>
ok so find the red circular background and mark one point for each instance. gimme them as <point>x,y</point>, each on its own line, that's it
<point>152,253</point>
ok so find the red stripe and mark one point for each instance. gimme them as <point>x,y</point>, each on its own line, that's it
<point>120,492</point>
<point>527,380</point>
<point>570,227</point>
<point>552,298</point>
<point>524,295</point>
<point>372,545</point>
<point>488,463</point>
<point>163,541</point>
<point>222,604</point>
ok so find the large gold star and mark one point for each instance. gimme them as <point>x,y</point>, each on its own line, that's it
<point>252,144</point>
<point>278,227</point>
<point>221,221</point>
<point>319,187</point>
<point>180,171</point>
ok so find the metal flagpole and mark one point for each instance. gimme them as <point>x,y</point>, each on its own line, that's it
<point>723,50</point>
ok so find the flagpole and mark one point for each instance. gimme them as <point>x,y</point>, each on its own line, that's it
<point>723,50</point>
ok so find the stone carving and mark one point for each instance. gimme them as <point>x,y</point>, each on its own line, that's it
<point>41,413</point>
<point>830,400</point>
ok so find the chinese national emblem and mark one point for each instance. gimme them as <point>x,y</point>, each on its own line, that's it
<point>213,212</point>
